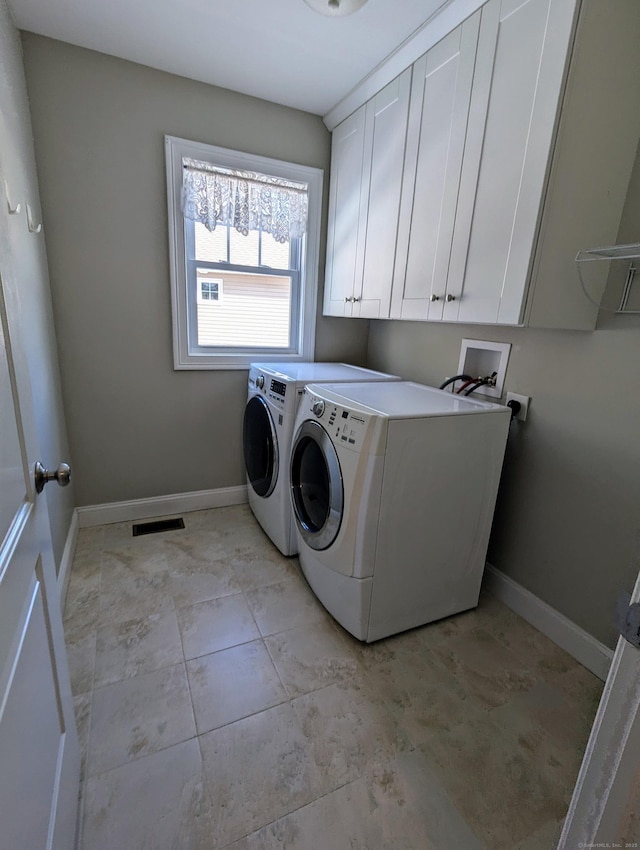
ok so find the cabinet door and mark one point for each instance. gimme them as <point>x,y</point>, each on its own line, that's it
<point>440,96</point>
<point>385,136</point>
<point>522,57</point>
<point>347,207</point>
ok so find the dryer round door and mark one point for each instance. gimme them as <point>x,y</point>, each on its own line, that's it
<point>260,443</point>
<point>316,486</point>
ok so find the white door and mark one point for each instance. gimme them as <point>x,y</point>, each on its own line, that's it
<point>605,809</point>
<point>39,751</point>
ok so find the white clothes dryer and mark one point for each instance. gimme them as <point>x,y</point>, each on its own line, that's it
<point>273,395</point>
<point>393,489</point>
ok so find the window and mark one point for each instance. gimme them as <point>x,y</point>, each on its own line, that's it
<point>208,290</point>
<point>243,266</point>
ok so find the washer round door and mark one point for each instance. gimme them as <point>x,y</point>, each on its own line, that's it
<point>316,486</point>
<point>260,443</point>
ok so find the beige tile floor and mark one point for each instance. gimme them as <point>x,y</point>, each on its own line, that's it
<point>219,706</point>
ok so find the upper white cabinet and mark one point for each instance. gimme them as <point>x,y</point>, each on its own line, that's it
<point>364,197</point>
<point>521,138</point>
<point>486,99</point>
<point>522,57</point>
<point>346,212</point>
<point>438,118</point>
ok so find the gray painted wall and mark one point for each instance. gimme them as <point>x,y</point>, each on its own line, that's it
<point>138,428</point>
<point>30,264</point>
<point>567,523</point>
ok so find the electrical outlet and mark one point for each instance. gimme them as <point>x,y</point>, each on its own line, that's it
<point>524,401</point>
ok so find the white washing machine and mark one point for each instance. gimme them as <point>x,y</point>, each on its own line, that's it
<point>274,392</point>
<point>393,489</point>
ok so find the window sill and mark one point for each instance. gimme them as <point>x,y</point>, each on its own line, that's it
<point>228,362</point>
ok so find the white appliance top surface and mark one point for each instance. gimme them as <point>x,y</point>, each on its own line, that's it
<point>402,399</point>
<point>309,372</point>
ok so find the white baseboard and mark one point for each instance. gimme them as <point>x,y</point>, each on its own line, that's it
<point>67,558</point>
<point>176,503</point>
<point>592,654</point>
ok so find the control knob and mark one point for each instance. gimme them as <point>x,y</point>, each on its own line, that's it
<point>318,407</point>
<point>260,382</point>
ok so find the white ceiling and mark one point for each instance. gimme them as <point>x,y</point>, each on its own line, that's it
<point>279,50</point>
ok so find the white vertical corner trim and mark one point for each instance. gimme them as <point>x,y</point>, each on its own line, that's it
<point>67,558</point>
<point>592,654</point>
<point>176,503</point>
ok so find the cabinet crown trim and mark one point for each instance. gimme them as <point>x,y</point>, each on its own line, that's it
<point>434,29</point>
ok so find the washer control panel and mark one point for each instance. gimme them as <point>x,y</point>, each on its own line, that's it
<point>269,387</point>
<point>277,391</point>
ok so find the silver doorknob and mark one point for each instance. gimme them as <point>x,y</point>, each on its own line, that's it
<point>347,299</point>
<point>42,476</point>
<point>451,297</point>
<point>434,297</point>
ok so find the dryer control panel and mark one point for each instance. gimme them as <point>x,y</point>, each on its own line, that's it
<point>346,427</point>
<point>351,427</point>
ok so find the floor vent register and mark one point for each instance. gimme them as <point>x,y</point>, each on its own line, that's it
<point>157,526</point>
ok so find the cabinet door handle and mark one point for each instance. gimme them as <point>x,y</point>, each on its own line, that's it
<point>347,299</point>
<point>355,299</point>
<point>450,297</point>
<point>434,297</point>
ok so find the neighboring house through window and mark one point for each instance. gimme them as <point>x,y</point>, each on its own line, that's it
<point>244,239</point>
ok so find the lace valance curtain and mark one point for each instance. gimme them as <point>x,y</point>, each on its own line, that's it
<point>243,199</point>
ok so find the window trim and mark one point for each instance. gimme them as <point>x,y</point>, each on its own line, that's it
<point>175,150</point>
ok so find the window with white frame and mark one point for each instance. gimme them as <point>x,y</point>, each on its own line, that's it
<point>244,241</point>
<point>209,289</point>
